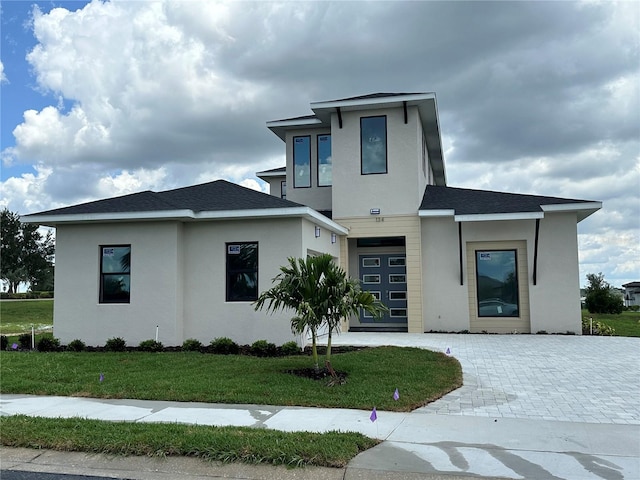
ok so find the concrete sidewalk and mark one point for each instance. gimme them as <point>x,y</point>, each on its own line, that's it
<point>533,407</point>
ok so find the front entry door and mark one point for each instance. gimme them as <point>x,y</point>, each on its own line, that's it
<point>385,276</point>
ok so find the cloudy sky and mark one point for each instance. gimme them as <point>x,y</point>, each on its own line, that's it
<point>107,98</point>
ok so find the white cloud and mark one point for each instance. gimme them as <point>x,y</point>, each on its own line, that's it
<point>534,97</point>
<point>3,77</point>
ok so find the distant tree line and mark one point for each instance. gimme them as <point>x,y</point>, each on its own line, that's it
<point>26,256</point>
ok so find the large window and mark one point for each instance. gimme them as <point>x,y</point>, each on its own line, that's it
<point>115,273</point>
<point>242,272</point>
<point>373,145</point>
<point>497,283</point>
<point>301,162</point>
<point>324,160</point>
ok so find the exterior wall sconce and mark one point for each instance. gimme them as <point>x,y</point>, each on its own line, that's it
<point>317,231</point>
<point>334,238</point>
<point>375,211</point>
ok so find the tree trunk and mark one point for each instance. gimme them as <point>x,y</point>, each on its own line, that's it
<point>314,349</point>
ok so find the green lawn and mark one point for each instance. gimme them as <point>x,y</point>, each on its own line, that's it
<point>627,324</point>
<point>226,444</point>
<point>17,316</point>
<point>372,377</point>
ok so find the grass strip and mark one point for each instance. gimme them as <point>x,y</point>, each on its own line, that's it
<point>420,376</point>
<point>225,444</point>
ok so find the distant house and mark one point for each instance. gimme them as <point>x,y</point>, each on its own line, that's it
<point>364,181</point>
<point>631,294</point>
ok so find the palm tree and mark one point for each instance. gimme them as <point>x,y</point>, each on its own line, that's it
<point>320,293</point>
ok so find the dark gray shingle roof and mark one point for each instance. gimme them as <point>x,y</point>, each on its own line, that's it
<point>213,196</point>
<point>476,202</point>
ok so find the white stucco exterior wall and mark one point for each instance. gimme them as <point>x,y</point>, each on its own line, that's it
<point>155,283</point>
<point>554,304</point>
<point>555,300</point>
<point>399,191</point>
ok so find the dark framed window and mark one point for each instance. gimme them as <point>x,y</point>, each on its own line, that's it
<point>115,273</point>
<point>324,161</point>
<point>242,272</point>
<point>373,145</point>
<point>497,283</point>
<point>283,190</point>
<point>301,162</point>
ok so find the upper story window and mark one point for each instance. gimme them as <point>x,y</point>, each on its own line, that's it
<point>283,190</point>
<point>373,145</point>
<point>242,272</point>
<point>115,273</point>
<point>324,160</point>
<point>301,162</point>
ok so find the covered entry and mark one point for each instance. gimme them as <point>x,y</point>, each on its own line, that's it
<point>382,270</point>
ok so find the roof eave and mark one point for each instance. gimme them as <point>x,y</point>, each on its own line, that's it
<point>280,127</point>
<point>187,215</point>
<point>583,209</point>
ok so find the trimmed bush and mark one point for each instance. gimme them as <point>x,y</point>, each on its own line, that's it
<point>224,346</point>
<point>151,346</point>
<point>24,341</point>
<point>290,348</point>
<point>48,344</point>
<point>191,345</point>
<point>4,342</point>
<point>115,344</point>
<point>76,346</point>
<point>599,328</point>
<point>262,348</point>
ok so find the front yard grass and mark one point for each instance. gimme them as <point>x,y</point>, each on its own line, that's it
<point>372,377</point>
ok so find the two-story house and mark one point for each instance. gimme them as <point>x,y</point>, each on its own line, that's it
<point>365,181</point>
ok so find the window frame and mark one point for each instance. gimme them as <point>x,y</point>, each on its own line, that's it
<point>229,272</point>
<point>362,144</point>
<point>318,164</point>
<point>516,313</point>
<point>103,275</point>
<point>308,162</point>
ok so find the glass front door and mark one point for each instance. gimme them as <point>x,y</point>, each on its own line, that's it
<point>385,276</point>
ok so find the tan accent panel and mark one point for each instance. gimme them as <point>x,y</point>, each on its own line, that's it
<point>521,324</point>
<point>407,226</point>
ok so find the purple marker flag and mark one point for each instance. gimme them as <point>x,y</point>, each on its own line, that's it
<point>14,346</point>
<point>396,395</point>
<point>374,415</point>
<point>448,351</point>
<point>101,377</point>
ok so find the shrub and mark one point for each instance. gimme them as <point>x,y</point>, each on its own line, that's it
<point>262,348</point>
<point>24,341</point>
<point>191,345</point>
<point>290,348</point>
<point>600,298</point>
<point>48,344</point>
<point>4,342</point>
<point>76,346</point>
<point>224,346</point>
<point>115,344</point>
<point>151,346</point>
<point>599,328</point>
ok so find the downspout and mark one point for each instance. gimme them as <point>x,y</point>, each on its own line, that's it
<point>535,253</point>
<point>460,251</point>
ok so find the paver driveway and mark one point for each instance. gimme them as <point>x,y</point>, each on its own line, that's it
<point>552,377</point>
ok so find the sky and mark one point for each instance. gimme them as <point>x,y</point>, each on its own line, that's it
<point>100,99</point>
